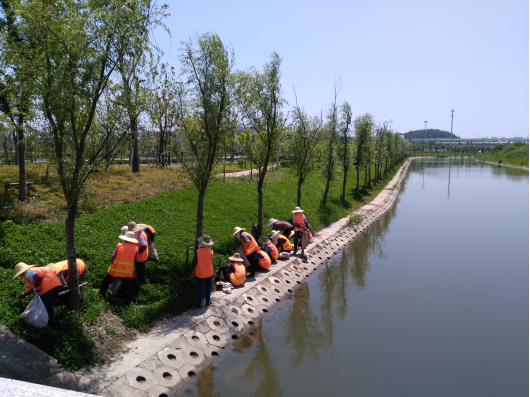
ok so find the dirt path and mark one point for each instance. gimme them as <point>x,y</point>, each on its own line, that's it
<point>504,165</point>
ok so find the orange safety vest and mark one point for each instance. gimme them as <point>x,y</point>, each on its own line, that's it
<point>204,263</point>
<point>265,263</point>
<point>142,256</point>
<point>284,243</point>
<point>274,250</point>
<point>123,265</point>
<point>63,265</point>
<point>300,219</point>
<point>252,247</point>
<point>49,279</point>
<point>239,276</point>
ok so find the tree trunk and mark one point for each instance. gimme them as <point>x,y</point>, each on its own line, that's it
<point>135,161</point>
<point>357,186</point>
<point>200,213</point>
<point>343,197</point>
<point>326,190</point>
<point>73,296</point>
<point>369,176</point>
<point>260,205</point>
<point>15,142</point>
<point>161,149</point>
<point>6,153</point>
<point>299,193</point>
<point>21,160</point>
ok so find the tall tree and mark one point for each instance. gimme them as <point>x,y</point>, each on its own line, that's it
<point>259,95</point>
<point>15,84</point>
<point>205,109</point>
<point>72,51</point>
<point>363,128</point>
<point>345,149</point>
<point>302,141</point>
<point>330,138</point>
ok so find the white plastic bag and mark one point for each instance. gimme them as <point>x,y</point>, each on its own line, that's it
<point>36,314</point>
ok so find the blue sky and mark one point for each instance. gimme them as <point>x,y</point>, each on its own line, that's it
<point>405,61</point>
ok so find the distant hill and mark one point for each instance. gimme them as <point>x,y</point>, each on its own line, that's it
<point>431,133</point>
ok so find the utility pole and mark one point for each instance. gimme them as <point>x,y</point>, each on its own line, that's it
<point>452,115</point>
<point>425,136</point>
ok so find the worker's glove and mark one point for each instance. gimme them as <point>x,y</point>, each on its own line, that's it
<point>22,295</point>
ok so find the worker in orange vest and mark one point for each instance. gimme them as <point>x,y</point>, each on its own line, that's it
<point>281,242</point>
<point>234,271</point>
<point>61,271</point>
<point>143,250</point>
<point>204,269</point>
<point>264,260</point>
<point>41,280</point>
<point>269,248</point>
<point>124,258</point>
<point>249,245</point>
<point>300,223</point>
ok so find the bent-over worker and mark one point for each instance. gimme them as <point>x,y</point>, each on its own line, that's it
<point>43,280</point>
<point>280,225</point>
<point>282,243</point>
<point>124,258</point>
<point>61,271</point>
<point>250,246</point>
<point>300,223</point>
<point>204,268</point>
<point>264,260</point>
<point>143,251</point>
<point>234,271</point>
<point>269,248</point>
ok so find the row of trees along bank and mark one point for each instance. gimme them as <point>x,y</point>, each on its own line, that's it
<point>83,80</point>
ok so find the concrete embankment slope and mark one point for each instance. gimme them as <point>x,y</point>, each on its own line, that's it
<point>160,360</point>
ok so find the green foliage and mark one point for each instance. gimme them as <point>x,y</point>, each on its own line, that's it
<point>355,219</point>
<point>513,154</point>
<point>431,133</point>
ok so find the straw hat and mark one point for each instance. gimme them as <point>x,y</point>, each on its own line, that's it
<point>272,221</point>
<point>51,266</point>
<point>264,240</point>
<point>236,257</point>
<point>238,229</point>
<point>133,227</point>
<point>20,268</point>
<point>297,209</point>
<point>129,236</point>
<point>205,240</point>
<point>274,233</point>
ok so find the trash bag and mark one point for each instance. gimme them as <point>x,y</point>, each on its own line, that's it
<point>284,255</point>
<point>305,238</point>
<point>36,314</point>
<point>152,253</point>
<point>241,252</point>
<point>115,286</point>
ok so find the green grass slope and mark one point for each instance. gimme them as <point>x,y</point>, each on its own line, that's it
<point>173,214</point>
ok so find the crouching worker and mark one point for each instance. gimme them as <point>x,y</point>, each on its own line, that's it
<point>249,245</point>
<point>61,271</point>
<point>234,271</point>
<point>204,269</point>
<point>263,259</point>
<point>143,250</point>
<point>124,258</point>
<point>44,281</point>
<point>269,248</point>
<point>282,243</point>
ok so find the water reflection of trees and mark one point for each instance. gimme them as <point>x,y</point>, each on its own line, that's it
<point>262,367</point>
<point>303,332</point>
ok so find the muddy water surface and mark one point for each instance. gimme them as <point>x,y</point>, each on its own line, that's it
<point>431,301</point>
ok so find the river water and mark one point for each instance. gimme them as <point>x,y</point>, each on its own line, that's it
<point>432,300</point>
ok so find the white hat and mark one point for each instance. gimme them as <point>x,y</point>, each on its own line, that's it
<point>237,229</point>
<point>274,233</point>
<point>297,209</point>
<point>130,237</point>
<point>272,221</point>
<point>124,230</point>
<point>20,268</point>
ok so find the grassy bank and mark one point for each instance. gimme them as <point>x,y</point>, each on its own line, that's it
<point>513,154</point>
<point>169,290</point>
